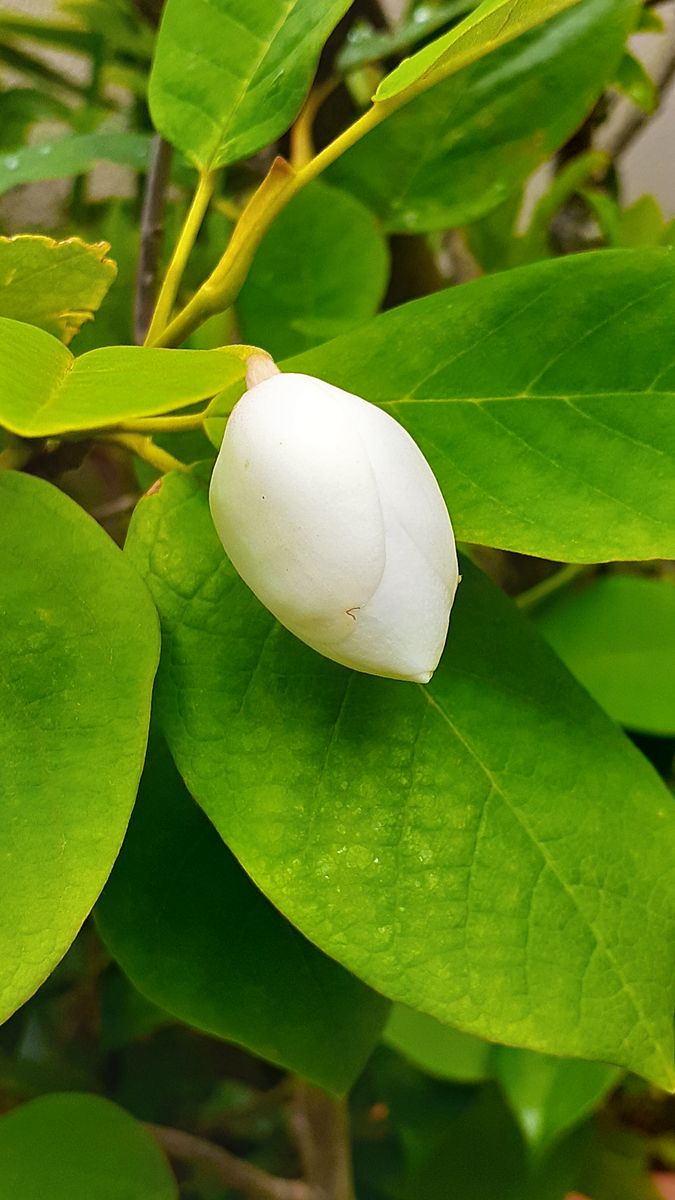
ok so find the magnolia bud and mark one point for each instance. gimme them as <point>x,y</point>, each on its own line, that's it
<point>331,514</point>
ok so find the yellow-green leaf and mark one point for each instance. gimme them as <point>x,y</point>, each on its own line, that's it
<point>493,24</point>
<point>54,285</point>
<point>45,390</point>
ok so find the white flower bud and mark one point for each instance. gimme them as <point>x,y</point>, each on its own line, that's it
<point>332,516</point>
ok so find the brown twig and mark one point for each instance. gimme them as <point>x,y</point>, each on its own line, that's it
<point>320,1127</point>
<point>152,236</point>
<point>231,1171</point>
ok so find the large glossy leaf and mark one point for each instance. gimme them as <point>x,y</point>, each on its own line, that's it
<point>321,269</point>
<point>45,390</point>
<point>459,149</point>
<point>55,285</point>
<point>617,635</point>
<point>230,75</point>
<point>72,155</point>
<point>490,849</point>
<point>79,643</point>
<point>493,24</point>
<point>193,933</point>
<point>77,1147</point>
<point>544,399</point>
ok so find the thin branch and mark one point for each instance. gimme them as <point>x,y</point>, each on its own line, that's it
<point>629,133</point>
<point>183,248</point>
<point>320,1126</point>
<point>302,133</point>
<point>232,1172</point>
<point>152,235</point>
<point>145,448</point>
<point>551,585</point>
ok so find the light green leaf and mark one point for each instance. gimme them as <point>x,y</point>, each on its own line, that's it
<point>324,263</point>
<point>365,45</point>
<point>544,399</point>
<point>230,75</point>
<point>641,224</point>
<point>617,635</point>
<point>549,1096</point>
<point>461,148</point>
<point>490,849</point>
<point>79,644</point>
<point>437,1049</point>
<point>73,155</point>
<point>77,1147</point>
<point>195,936</point>
<point>54,285</point>
<point>45,390</point>
<point>493,24</point>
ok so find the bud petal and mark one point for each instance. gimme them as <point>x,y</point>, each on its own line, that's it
<point>332,516</point>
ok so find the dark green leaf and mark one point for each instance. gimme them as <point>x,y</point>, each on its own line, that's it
<point>634,81</point>
<point>489,849</point>
<point>77,1147</point>
<point>321,270</point>
<point>74,155</point>
<point>617,635</point>
<point>79,646</point>
<point>230,77</point>
<point>457,151</point>
<point>54,285</point>
<point>185,922</point>
<point>544,399</point>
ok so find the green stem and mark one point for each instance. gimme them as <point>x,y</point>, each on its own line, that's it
<point>179,258</point>
<point>549,586</point>
<point>278,187</point>
<point>164,424</point>
<point>145,448</point>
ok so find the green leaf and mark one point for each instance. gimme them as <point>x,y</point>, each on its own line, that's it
<point>365,45</point>
<point>617,1168</point>
<point>73,279</point>
<point>633,79</point>
<point>490,849</point>
<point>617,635</point>
<point>544,399</point>
<point>22,107</point>
<point>324,262</point>
<point>461,148</point>
<point>73,155</point>
<point>195,936</point>
<point>45,390</point>
<point>641,224</point>
<point>78,1147</point>
<point>549,1096</point>
<point>437,1049</point>
<point>79,645</point>
<point>230,75</point>
<point>493,24</point>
